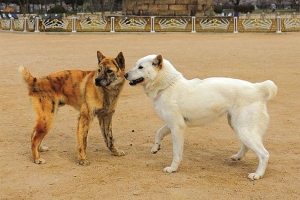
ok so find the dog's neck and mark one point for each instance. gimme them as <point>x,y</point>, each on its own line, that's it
<point>112,93</point>
<point>166,77</point>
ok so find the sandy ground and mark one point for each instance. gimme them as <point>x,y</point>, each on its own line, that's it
<point>206,171</point>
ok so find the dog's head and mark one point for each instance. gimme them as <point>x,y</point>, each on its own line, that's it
<point>110,71</point>
<point>145,69</point>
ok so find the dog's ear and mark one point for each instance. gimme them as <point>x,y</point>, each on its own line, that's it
<point>158,61</point>
<point>100,56</point>
<point>121,61</point>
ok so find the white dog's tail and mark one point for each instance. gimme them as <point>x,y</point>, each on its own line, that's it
<point>268,88</point>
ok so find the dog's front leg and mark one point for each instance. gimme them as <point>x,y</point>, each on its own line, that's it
<point>160,134</point>
<point>105,122</point>
<point>84,122</point>
<point>178,143</point>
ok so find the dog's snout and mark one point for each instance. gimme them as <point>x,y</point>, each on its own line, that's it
<point>98,81</point>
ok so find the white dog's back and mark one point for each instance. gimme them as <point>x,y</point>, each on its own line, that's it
<point>203,101</point>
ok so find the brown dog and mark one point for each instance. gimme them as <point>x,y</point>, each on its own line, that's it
<point>92,93</point>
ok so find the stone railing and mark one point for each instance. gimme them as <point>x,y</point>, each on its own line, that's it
<point>97,23</point>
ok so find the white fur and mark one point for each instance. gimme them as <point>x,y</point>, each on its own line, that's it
<point>185,103</point>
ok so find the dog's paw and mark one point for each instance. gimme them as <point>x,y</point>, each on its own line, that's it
<point>119,153</point>
<point>84,162</point>
<point>40,161</point>
<point>155,148</point>
<point>43,148</point>
<point>169,170</point>
<point>254,176</point>
<point>235,157</point>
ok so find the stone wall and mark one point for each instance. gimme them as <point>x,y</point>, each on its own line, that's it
<point>167,7</point>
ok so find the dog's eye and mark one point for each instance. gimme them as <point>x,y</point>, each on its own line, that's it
<point>99,70</point>
<point>141,67</point>
<point>109,71</point>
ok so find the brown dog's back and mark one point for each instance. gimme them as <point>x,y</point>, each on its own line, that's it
<point>59,86</point>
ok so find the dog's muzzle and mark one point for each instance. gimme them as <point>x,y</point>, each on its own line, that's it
<point>101,82</point>
<point>134,82</point>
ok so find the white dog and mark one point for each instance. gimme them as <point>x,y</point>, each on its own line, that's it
<point>181,103</point>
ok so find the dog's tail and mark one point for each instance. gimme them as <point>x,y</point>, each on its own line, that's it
<point>28,78</point>
<point>268,88</point>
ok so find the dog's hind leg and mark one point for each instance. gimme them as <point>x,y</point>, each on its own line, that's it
<point>105,122</point>
<point>45,111</point>
<point>256,145</point>
<point>160,134</point>
<point>240,154</point>
<point>250,126</point>
<point>243,150</point>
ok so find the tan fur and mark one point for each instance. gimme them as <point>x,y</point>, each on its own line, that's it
<point>92,93</point>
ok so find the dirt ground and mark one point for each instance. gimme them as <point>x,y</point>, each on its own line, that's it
<point>206,171</point>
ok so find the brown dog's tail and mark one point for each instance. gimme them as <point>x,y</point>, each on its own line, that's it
<point>28,78</point>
